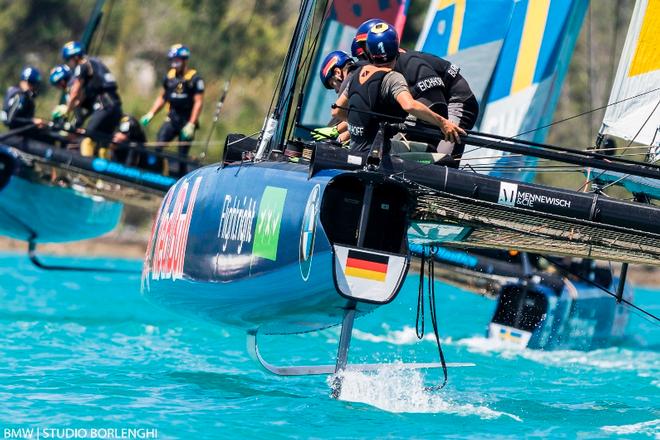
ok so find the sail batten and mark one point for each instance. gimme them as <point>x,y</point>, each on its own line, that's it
<point>638,75</point>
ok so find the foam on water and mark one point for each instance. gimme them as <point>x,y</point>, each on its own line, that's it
<point>400,390</point>
<point>650,428</point>
<point>645,363</point>
<point>81,350</point>
<point>406,336</point>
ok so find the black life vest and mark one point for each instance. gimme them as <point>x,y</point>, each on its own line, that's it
<point>99,84</point>
<point>432,82</point>
<point>17,108</point>
<point>365,98</point>
<point>181,90</point>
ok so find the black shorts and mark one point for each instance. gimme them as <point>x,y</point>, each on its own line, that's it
<point>170,130</point>
<point>103,122</point>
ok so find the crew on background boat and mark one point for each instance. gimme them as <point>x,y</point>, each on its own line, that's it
<point>91,83</point>
<point>18,107</point>
<point>60,76</point>
<point>183,91</point>
<point>377,88</point>
<point>127,142</point>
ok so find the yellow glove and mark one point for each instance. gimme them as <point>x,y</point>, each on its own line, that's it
<point>144,120</point>
<point>188,131</point>
<point>60,111</point>
<point>325,133</point>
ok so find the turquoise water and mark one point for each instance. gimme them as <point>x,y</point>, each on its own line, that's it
<point>86,351</point>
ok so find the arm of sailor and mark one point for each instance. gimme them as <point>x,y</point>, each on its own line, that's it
<point>198,102</point>
<point>158,104</point>
<point>408,104</point>
<point>75,95</point>
<point>338,110</point>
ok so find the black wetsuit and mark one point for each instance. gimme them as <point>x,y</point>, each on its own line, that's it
<point>136,137</point>
<point>100,91</point>
<point>179,93</point>
<point>17,108</point>
<point>437,83</point>
<point>364,98</point>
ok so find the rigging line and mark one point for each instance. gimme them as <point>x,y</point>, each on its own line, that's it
<point>629,144</point>
<point>536,129</point>
<point>645,318</point>
<point>306,65</point>
<point>592,283</point>
<point>624,177</point>
<point>589,72</point>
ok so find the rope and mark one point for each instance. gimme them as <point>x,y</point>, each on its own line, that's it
<point>592,283</point>
<point>648,118</point>
<point>557,122</point>
<point>428,261</point>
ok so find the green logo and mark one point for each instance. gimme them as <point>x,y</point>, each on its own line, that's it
<point>269,219</point>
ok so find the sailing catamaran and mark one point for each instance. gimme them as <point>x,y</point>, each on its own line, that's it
<point>49,193</point>
<point>278,245</point>
<point>517,69</point>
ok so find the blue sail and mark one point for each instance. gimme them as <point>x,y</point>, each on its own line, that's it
<point>456,30</point>
<point>532,42</point>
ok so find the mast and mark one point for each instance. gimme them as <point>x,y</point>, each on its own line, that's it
<point>92,25</point>
<point>275,127</point>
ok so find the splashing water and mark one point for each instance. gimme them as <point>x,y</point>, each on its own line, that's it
<point>399,390</point>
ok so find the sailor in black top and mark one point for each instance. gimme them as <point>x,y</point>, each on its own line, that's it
<point>183,91</point>
<point>437,83</point>
<point>129,135</point>
<point>18,106</point>
<point>377,88</point>
<point>91,84</point>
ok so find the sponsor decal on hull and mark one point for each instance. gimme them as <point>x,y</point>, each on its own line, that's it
<point>269,220</point>
<point>308,232</point>
<point>510,195</point>
<point>171,235</point>
<point>236,220</point>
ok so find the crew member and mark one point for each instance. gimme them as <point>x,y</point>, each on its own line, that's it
<point>359,45</point>
<point>18,107</point>
<point>60,76</point>
<point>127,143</point>
<point>377,88</point>
<point>337,67</point>
<point>91,83</point>
<point>437,83</point>
<point>183,91</point>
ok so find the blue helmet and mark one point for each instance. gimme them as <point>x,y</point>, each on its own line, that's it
<point>59,73</point>
<point>178,51</point>
<point>359,45</point>
<point>382,43</point>
<point>71,49</point>
<point>336,58</point>
<point>31,75</point>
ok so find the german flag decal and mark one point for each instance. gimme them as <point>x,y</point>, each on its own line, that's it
<point>366,265</point>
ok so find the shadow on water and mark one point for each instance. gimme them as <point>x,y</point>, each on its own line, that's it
<point>242,386</point>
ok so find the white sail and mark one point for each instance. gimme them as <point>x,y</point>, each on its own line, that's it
<point>638,74</point>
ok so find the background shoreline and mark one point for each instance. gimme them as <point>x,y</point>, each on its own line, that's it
<point>129,244</point>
